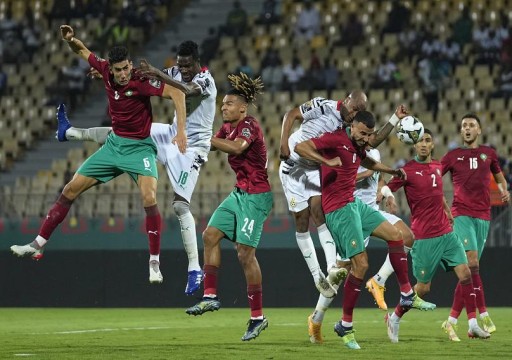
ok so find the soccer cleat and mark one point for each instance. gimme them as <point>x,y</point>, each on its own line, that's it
<point>256,326</point>
<point>155,276</point>
<point>27,250</point>
<point>377,292</point>
<point>206,304</point>
<point>336,275</point>
<point>347,335</point>
<point>193,281</point>
<point>475,332</point>
<point>393,328</point>
<point>324,287</point>
<point>62,123</point>
<point>488,325</point>
<point>450,329</point>
<point>413,301</point>
<point>314,331</point>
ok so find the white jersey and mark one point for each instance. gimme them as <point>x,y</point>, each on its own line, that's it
<point>200,109</point>
<point>320,116</point>
<point>366,189</point>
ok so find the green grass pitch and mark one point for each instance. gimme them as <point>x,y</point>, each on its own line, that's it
<point>52,333</point>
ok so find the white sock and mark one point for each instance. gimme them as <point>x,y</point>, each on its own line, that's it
<point>394,317</point>
<point>452,320</point>
<point>188,235</point>
<point>384,272</point>
<point>154,257</point>
<point>308,251</point>
<point>346,324</point>
<point>41,241</point>
<point>96,134</point>
<point>321,307</point>
<point>472,323</point>
<point>328,245</point>
<point>484,314</point>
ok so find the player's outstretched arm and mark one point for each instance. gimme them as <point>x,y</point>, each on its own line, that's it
<point>68,34</point>
<point>148,70</point>
<point>382,134</point>
<point>447,210</point>
<point>307,149</point>
<point>288,120</point>
<point>502,186</point>
<point>231,147</point>
<point>178,97</point>
<point>371,164</point>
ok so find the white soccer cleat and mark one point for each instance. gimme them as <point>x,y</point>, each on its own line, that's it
<point>475,332</point>
<point>27,250</point>
<point>336,275</point>
<point>324,287</point>
<point>155,276</point>
<point>393,328</point>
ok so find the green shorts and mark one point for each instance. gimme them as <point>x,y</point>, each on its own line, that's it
<point>241,216</point>
<point>121,155</point>
<point>349,230</point>
<point>472,232</point>
<point>427,254</point>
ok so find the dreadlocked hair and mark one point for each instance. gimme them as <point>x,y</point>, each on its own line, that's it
<point>244,86</point>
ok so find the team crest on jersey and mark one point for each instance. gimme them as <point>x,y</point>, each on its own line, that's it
<point>483,157</point>
<point>293,202</point>
<point>128,93</point>
<point>155,83</point>
<point>246,132</point>
<point>307,106</point>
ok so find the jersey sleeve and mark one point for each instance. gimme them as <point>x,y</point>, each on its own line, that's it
<point>326,141</point>
<point>204,82</point>
<point>495,164</point>
<point>150,87</point>
<point>98,63</point>
<point>396,183</point>
<point>313,108</point>
<point>374,154</point>
<point>222,133</point>
<point>446,163</point>
<point>247,131</point>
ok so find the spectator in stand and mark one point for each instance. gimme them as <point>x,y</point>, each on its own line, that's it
<point>331,74</point>
<point>8,25</point>
<point>170,61</point>
<point>30,34</point>
<point>506,52</point>
<point>3,81</point>
<point>102,34</point>
<point>236,22</point>
<point>387,75</point>
<point>120,33</point>
<point>451,52</point>
<point>352,33</point>
<point>293,74</point>
<point>409,41</point>
<point>398,18</point>
<point>269,14</point>
<point>270,58</point>
<point>209,46</point>
<point>14,51</point>
<point>74,79</point>
<point>315,77</point>
<point>462,30</point>
<point>244,66</point>
<point>272,77</point>
<point>308,22</point>
<point>504,82</point>
<point>433,76</point>
<point>61,10</point>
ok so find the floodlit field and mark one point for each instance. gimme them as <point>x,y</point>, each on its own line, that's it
<point>171,334</point>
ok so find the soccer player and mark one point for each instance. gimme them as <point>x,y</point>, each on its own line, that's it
<point>182,169</point>
<point>434,245</point>
<point>368,182</point>
<point>129,147</point>
<point>241,215</point>
<point>301,178</point>
<point>470,167</point>
<point>340,153</point>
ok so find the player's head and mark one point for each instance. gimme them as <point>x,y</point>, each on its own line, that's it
<point>470,128</point>
<point>354,102</point>
<point>242,93</point>
<point>120,64</point>
<point>187,60</point>
<point>425,147</point>
<point>362,127</point>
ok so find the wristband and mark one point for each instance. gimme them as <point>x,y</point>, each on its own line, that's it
<point>393,120</point>
<point>386,191</point>
<point>71,40</point>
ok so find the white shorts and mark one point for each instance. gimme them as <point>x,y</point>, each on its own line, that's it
<point>393,219</point>
<point>299,185</point>
<point>182,169</point>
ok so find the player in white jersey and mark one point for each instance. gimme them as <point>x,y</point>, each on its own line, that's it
<point>182,168</point>
<point>301,178</point>
<point>367,188</point>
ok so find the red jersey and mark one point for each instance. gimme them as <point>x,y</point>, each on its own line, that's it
<point>338,183</point>
<point>424,192</point>
<point>250,167</point>
<point>470,169</point>
<point>129,106</point>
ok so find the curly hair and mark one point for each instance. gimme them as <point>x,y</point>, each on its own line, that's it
<point>245,87</point>
<point>188,48</point>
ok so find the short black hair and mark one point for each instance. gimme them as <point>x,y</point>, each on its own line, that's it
<point>188,48</point>
<point>472,116</point>
<point>118,54</point>
<point>365,117</point>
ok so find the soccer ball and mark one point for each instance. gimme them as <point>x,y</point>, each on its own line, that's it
<point>410,130</point>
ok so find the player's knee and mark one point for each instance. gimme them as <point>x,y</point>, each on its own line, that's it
<point>473,268</point>
<point>359,265</point>
<point>422,289</point>
<point>302,221</point>
<point>245,255</point>
<point>181,207</point>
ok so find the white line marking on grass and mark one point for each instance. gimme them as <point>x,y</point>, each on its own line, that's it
<point>108,330</point>
<point>24,354</point>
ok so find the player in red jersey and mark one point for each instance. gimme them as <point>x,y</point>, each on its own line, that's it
<point>349,219</point>
<point>434,245</point>
<point>129,148</point>
<point>241,215</point>
<point>470,167</point>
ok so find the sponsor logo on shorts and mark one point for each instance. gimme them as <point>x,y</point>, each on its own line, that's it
<point>353,243</point>
<point>293,202</point>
